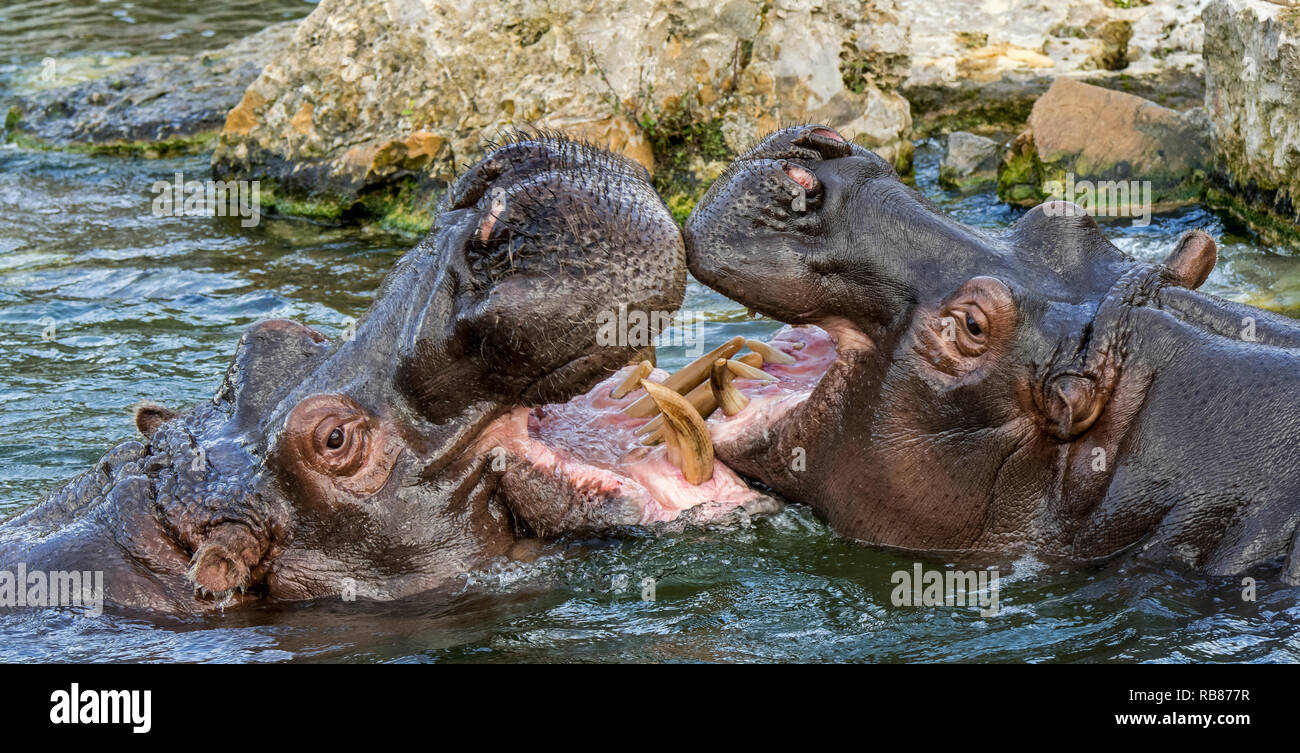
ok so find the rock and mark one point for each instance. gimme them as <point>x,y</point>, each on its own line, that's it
<point>980,66</point>
<point>1078,132</point>
<point>1252,69</point>
<point>969,162</point>
<point>1114,34</point>
<point>679,85</point>
<point>151,108</point>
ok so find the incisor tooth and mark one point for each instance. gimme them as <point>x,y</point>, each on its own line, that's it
<point>687,377</point>
<point>745,371</point>
<point>769,353</point>
<point>729,399</point>
<point>633,380</point>
<point>687,437</point>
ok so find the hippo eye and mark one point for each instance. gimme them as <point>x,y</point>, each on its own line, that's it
<point>328,440</point>
<point>338,446</point>
<point>972,326</point>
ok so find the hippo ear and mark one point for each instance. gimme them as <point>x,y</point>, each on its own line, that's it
<point>1193,260</point>
<point>150,415</point>
<point>1070,404</point>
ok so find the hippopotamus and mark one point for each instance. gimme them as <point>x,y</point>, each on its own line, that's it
<point>435,439</point>
<point>979,395</point>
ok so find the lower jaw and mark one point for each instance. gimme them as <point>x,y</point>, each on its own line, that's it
<point>591,446</point>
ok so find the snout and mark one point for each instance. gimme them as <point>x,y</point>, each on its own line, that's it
<point>759,231</point>
<point>775,183</point>
<point>809,143</point>
<point>558,236</point>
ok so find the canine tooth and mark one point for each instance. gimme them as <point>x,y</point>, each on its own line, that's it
<point>687,437</point>
<point>633,380</point>
<point>769,353</point>
<point>729,398</point>
<point>701,399</point>
<point>745,371</point>
<point>687,377</point>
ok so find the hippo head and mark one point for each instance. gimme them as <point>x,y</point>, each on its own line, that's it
<point>421,445</point>
<point>1038,390</point>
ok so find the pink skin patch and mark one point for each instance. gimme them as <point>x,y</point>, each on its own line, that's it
<point>592,437</point>
<point>592,444</point>
<point>801,176</point>
<point>814,351</point>
<point>827,133</point>
<point>495,210</point>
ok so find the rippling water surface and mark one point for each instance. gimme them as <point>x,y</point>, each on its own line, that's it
<point>143,307</point>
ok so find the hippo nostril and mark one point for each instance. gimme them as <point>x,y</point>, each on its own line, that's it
<point>827,143</point>
<point>801,176</point>
<point>827,133</point>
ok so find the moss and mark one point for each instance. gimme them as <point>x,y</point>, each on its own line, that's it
<point>1022,178</point>
<point>677,142</point>
<point>403,207</point>
<point>313,209</point>
<point>860,69</point>
<point>11,118</point>
<point>968,183</point>
<point>903,162</point>
<point>681,205</point>
<point>1270,227</point>
<point>976,117</point>
<point>406,205</point>
<point>173,147</point>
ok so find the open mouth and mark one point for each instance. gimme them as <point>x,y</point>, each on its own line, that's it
<point>650,449</point>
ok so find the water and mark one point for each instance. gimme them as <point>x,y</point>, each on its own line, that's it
<point>150,308</point>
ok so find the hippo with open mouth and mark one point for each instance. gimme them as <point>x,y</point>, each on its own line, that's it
<point>459,422</point>
<point>985,395</point>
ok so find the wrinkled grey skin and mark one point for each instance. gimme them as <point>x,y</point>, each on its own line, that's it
<point>1098,407</point>
<point>323,466</point>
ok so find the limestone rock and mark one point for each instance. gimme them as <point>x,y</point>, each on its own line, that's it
<point>981,65</point>
<point>374,106</point>
<point>969,162</point>
<point>1078,132</point>
<point>1252,62</point>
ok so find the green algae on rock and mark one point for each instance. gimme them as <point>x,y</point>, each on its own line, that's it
<point>152,109</point>
<point>1078,132</point>
<point>1252,56</point>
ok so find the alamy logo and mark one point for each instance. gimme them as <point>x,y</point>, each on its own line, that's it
<point>1101,198</point>
<point>76,706</point>
<point>58,588</point>
<point>209,198</point>
<point>933,588</point>
<point>662,329</point>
